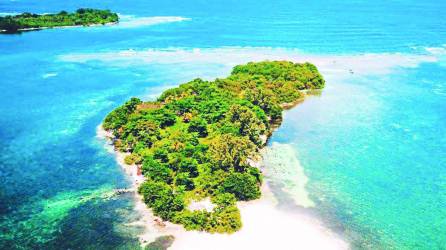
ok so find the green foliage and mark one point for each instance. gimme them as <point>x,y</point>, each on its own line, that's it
<point>284,78</point>
<point>224,199</point>
<point>132,159</point>
<point>197,139</point>
<point>183,179</point>
<point>199,125</point>
<point>80,17</point>
<point>242,185</point>
<point>165,117</point>
<point>189,165</point>
<point>231,152</point>
<point>162,199</point>
<point>225,218</point>
<point>119,117</point>
<point>156,171</point>
<point>247,122</point>
<point>161,154</point>
<point>304,76</point>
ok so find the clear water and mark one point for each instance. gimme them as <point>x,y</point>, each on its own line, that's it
<point>373,146</point>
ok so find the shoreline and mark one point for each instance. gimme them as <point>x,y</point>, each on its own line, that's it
<point>57,27</point>
<point>278,230</point>
<point>147,220</point>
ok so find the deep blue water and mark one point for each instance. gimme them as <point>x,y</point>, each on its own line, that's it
<point>373,146</point>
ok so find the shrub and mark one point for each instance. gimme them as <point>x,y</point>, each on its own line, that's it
<point>199,125</point>
<point>156,171</point>
<point>183,179</point>
<point>243,185</point>
<point>190,166</point>
<point>132,159</point>
<point>228,151</point>
<point>161,198</point>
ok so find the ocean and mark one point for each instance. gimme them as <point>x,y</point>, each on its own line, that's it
<point>372,144</point>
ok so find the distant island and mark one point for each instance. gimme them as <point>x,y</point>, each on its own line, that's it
<point>82,17</point>
<point>200,141</point>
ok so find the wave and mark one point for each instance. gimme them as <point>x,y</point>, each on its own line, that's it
<point>437,50</point>
<point>440,53</point>
<point>48,75</point>
<point>128,21</point>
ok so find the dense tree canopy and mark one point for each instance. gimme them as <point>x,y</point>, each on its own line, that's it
<point>242,186</point>
<point>80,17</point>
<point>196,140</point>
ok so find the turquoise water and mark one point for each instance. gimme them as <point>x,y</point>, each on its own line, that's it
<point>375,157</point>
<point>373,145</point>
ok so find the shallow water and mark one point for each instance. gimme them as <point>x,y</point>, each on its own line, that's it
<point>372,144</point>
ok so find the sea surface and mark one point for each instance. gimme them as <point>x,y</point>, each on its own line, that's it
<point>372,145</point>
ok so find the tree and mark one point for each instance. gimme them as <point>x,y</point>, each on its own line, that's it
<point>190,166</point>
<point>165,117</point>
<point>247,122</point>
<point>198,124</point>
<point>229,151</point>
<point>266,100</point>
<point>161,154</point>
<point>183,105</point>
<point>161,198</point>
<point>156,171</point>
<point>147,132</point>
<point>243,185</point>
<point>183,179</point>
<point>224,199</point>
<point>118,117</point>
<point>82,16</point>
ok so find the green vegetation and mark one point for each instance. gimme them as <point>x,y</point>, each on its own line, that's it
<point>83,17</point>
<point>196,140</point>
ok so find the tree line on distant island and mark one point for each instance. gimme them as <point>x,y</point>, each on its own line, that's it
<point>83,16</point>
<point>196,140</point>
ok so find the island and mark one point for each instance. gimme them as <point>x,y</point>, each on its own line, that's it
<point>200,141</point>
<point>82,17</point>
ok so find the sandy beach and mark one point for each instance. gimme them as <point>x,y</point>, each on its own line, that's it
<point>264,225</point>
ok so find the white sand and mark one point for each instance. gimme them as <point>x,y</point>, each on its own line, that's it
<point>264,225</point>
<point>360,64</point>
<point>148,221</point>
<point>204,204</point>
<point>284,167</point>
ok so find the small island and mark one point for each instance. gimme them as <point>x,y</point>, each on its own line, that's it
<point>82,17</point>
<point>199,142</point>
